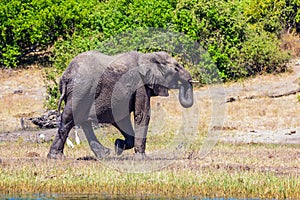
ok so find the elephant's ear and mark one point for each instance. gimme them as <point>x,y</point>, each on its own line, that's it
<point>147,74</point>
<point>151,71</point>
<point>144,70</point>
<point>152,61</point>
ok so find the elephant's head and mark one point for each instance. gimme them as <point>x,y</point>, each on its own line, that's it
<point>161,72</point>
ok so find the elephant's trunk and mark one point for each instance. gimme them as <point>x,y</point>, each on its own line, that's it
<point>186,94</point>
<point>185,89</point>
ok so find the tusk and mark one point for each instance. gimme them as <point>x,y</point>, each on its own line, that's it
<point>192,81</point>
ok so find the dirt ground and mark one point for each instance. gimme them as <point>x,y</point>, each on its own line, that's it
<point>251,118</point>
<point>22,95</point>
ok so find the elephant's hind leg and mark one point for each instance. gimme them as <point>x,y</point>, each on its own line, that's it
<point>66,124</point>
<point>99,150</point>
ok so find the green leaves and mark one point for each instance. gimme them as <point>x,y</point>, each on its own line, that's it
<point>238,37</point>
<point>241,37</point>
<point>33,26</point>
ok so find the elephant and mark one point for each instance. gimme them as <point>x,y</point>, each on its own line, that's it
<point>97,88</point>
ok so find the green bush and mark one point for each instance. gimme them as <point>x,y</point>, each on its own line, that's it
<point>240,43</point>
<point>239,38</point>
<point>28,26</point>
<point>261,53</point>
<point>273,16</point>
<point>64,51</point>
<point>219,26</point>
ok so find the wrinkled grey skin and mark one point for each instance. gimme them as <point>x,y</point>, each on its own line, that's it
<point>106,89</point>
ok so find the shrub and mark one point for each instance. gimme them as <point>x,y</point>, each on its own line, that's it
<point>34,25</point>
<point>238,44</point>
<point>261,53</point>
<point>241,38</point>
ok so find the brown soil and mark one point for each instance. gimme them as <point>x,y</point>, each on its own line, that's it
<point>22,95</point>
<point>263,119</point>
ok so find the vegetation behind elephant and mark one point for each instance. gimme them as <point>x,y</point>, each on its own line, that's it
<point>106,89</point>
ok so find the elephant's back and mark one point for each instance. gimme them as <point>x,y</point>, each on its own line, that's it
<point>88,65</point>
<point>93,58</point>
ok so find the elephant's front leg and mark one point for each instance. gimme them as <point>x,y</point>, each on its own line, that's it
<point>125,127</point>
<point>141,120</point>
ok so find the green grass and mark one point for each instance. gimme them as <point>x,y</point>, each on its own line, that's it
<point>229,171</point>
<point>66,177</point>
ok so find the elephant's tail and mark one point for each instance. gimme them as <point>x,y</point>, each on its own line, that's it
<point>62,89</point>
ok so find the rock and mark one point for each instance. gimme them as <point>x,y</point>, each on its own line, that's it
<point>48,120</point>
<point>19,91</point>
<point>86,158</point>
<point>232,99</point>
<point>293,132</point>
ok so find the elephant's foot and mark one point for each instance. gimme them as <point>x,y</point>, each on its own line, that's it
<point>99,150</point>
<point>55,155</point>
<point>103,153</point>
<point>119,146</point>
<point>141,156</point>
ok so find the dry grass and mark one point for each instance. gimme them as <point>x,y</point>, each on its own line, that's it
<point>291,42</point>
<point>269,117</point>
<point>232,169</point>
<point>21,95</point>
<point>264,114</point>
<point>261,171</point>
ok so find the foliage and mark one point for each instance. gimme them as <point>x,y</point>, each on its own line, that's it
<point>34,25</point>
<point>291,43</point>
<point>237,44</point>
<point>230,36</point>
<point>64,51</point>
<point>261,53</point>
<point>240,38</point>
<point>273,15</point>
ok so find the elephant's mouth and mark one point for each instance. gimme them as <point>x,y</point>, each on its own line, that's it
<point>159,90</point>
